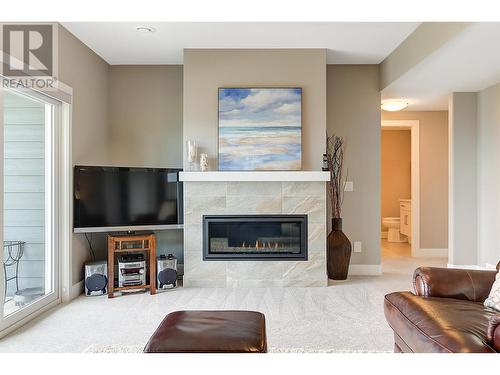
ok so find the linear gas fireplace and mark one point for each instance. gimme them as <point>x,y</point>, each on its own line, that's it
<point>255,237</point>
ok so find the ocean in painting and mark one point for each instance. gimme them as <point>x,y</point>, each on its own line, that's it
<point>260,129</point>
<point>259,148</point>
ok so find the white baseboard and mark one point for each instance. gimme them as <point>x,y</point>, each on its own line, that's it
<point>471,267</point>
<point>76,290</point>
<point>490,266</point>
<point>365,269</point>
<point>383,235</point>
<point>430,253</point>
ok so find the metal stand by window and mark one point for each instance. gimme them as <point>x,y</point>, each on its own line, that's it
<point>13,252</point>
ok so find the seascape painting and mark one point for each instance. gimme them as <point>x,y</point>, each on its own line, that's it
<point>260,129</point>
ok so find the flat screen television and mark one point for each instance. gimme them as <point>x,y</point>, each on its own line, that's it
<point>126,199</point>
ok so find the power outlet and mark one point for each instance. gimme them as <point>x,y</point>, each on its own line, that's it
<point>348,186</point>
<point>357,246</point>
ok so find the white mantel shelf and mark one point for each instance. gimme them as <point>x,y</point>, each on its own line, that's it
<point>255,176</point>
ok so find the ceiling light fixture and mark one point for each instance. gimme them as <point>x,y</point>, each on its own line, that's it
<point>145,29</point>
<point>394,105</point>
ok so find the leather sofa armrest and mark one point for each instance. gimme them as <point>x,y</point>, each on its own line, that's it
<point>493,333</point>
<point>471,285</point>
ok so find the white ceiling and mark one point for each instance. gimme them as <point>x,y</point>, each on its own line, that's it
<point>347,43</point>
<point>469,62</point>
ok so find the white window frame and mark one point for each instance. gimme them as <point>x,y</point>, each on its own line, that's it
<point>58,143</point>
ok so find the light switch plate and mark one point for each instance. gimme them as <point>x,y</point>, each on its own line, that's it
<point>357,246</point>
<point>348,186</point>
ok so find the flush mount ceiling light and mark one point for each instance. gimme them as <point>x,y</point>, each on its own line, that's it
<point>145,29</point>
<point>394,105</point>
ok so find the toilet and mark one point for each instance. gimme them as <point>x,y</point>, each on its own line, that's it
<point>399,228</point>
<point>393,224</point>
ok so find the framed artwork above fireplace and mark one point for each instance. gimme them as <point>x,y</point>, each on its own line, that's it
<point>260,129</point>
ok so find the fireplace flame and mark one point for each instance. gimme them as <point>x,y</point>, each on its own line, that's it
<point>262,245</point>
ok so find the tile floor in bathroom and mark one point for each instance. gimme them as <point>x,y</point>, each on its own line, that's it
<point>395,249</point>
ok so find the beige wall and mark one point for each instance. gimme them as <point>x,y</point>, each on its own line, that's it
<point>122,115</point>
<point>87,74</point>
<point>353,112</point>
<point>433,174</point>
<point>395,170</point>
<point>146,115</point>
<point>207,70</point>
<point>488,175</point>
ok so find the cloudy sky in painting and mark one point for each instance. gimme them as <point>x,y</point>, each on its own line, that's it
<point>259,107</point>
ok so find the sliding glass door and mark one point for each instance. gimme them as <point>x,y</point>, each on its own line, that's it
<point>30,269</point>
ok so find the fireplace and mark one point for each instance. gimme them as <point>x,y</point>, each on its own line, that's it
<point>255,237</point>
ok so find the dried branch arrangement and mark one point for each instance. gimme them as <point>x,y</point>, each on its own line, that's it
<point>335,148</point>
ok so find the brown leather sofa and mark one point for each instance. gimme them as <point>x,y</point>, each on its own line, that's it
<point>446,313</point>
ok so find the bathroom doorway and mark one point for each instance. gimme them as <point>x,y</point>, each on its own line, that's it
<point>400,180</point>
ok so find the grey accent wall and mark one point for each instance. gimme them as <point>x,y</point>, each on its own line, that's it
<point>206,70</point>
<point>24,187</point>
<point>353,112</point>
<point>463,178</point>
<point>488,175</point>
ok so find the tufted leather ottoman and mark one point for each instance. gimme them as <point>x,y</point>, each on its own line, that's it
<point>220,331</point>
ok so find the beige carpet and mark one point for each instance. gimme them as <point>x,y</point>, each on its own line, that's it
<point>116,349</point>
<point>344,317</point>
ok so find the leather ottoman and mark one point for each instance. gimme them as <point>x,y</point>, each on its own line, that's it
<point>223,331</point>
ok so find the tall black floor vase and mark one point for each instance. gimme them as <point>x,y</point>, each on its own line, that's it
<point>338,252</point>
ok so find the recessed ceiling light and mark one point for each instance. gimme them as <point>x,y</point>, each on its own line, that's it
<point>394,105</point>
<point>145,29</point>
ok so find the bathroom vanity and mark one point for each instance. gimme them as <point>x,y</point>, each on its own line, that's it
<point>405,218</point>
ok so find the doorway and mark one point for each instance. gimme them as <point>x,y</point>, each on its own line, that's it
<point>400,230</point>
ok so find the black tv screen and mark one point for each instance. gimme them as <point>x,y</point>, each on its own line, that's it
<point>126,197</point>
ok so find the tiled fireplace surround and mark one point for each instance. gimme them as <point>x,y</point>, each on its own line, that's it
<point>254,197</point>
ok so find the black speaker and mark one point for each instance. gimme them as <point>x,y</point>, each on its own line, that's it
<point>167,276</point>
<point>166,269</point>
<point>96,278</point>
